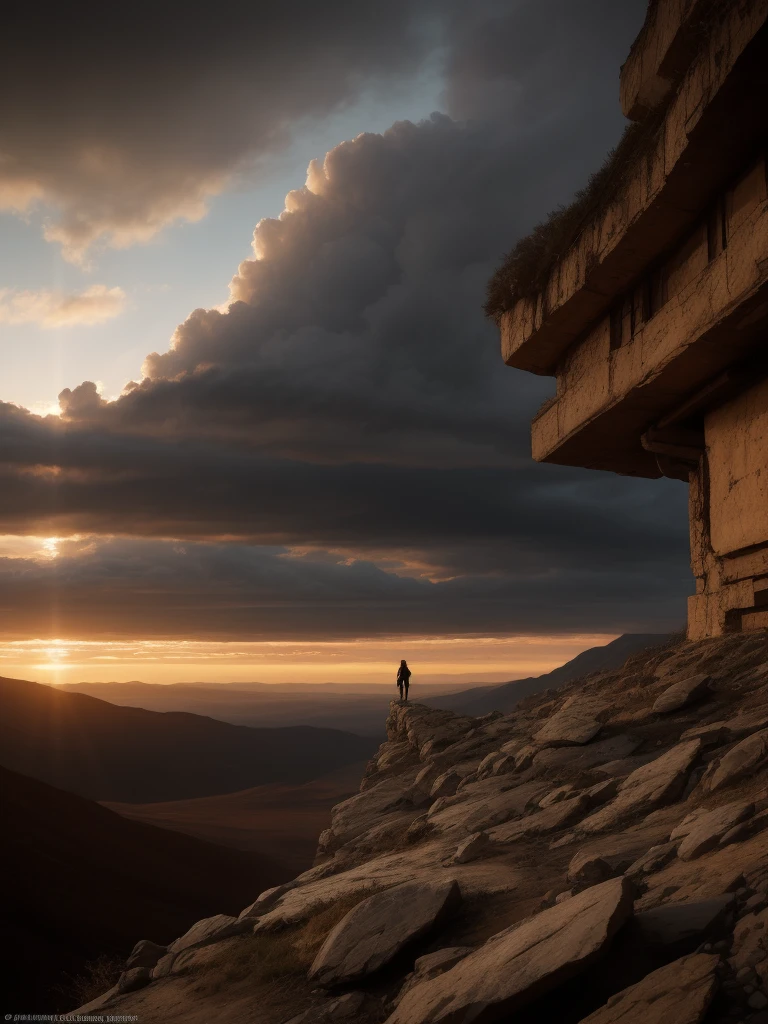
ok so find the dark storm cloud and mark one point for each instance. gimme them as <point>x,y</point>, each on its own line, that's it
<point>122,117</point>
<point>352,399</point>
<point>229,592</point>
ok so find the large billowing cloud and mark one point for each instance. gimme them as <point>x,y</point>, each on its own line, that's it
<point>120,118</point>
<point>123,117</point>
<point>344,436</point>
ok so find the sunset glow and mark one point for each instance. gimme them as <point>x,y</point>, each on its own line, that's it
<point>434,659</point>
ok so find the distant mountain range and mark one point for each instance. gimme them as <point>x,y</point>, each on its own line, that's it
<point>106,752</point>
<point>353,708</point>
<point>479,700</point>
<point>81,881</point>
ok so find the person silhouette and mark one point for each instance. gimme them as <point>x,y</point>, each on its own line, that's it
<point>403,678</point>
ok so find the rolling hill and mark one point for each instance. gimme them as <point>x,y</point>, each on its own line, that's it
<point>106,752</point>
<point>81,881</point>
<point>263,819</point>
<point>360,708</point>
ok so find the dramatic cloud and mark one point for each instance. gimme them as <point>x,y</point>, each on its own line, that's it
<point>230,592</point>
<point>122,118</point>
<point>47,308</point>
<point>341,451</point>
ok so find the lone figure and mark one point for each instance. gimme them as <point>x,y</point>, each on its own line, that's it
<point>403,677</point>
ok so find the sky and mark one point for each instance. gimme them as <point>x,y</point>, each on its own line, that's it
<point>248,394</point>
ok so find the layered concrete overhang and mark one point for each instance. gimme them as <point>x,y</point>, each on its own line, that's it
<point>710,127</point>
<point>661,54</point>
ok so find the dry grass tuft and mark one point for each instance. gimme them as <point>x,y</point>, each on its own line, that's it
<point>98,977</point>
<point>526,268</point>
<point>276,956</point>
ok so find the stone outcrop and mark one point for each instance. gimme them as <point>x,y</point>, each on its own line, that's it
<point>647,787</point>
<point>681,993</point>
<point>585,869</point>
<point>210,929</point>
<point>681,694</point>
<point>747,756</point>
<point>379,927</point>
<point>707,829</point>
<point>516,965</point>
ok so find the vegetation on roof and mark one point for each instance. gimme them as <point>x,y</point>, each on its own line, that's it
<point>526,268</point>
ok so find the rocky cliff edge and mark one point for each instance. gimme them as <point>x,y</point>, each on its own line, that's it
<point>598,856</point>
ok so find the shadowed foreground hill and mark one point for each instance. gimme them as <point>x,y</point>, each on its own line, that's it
<point>80,881</point>
<point>106,752</point>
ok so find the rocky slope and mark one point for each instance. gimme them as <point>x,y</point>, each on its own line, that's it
<point>600,855</point>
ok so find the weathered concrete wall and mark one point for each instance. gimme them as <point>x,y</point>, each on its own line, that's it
<point>674,351</point>
<point>729,519</point>
<point>662,196</point>
<point>655,60</point>
<point>737,449</point>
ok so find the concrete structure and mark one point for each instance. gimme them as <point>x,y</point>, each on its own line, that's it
<point>655,319</point>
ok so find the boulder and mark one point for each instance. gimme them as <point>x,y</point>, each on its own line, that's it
<point>582,758</point>
<point>588,868</point>
<point>131,981</point>
<point>486,765</point>
<point>436,806</point>
<point>679,993</point>
<point>542,822</point>
<point>445,785</point>
<point>266,901</point>
<point>520,963</point>
<point>210,929</point>
<point>675,923</point>
<point>577,722</point>
<point>426,777</point>
<point>743,759</point>
<point>375,931</point>
<point>623,767</point>
<point>144,954</point>
<point>471,848</point>
<point>503,765</point>
<point>602,792</point>
<point>524,757</point>
<point>555,796</point>
<point>682,693</point>
<point>708,828</point>
<point>164,966</point>
<point>715,733</point>
<point>658,782</point>
<point>745,829</point>
<point>418,828</point>
<point>511,747</point>
<point>654,860</point>
<point>432,964</point>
